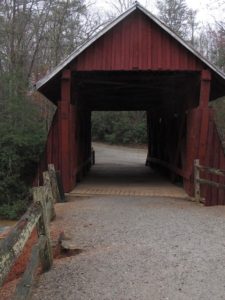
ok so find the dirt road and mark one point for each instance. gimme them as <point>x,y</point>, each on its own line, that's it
<point>145,248</point>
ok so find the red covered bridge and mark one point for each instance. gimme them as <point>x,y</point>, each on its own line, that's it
<point>137,63</point>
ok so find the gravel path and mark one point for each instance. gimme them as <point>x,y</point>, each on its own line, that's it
<point>141,248</point>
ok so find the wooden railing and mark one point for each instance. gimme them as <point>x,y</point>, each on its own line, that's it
<point>200,181</point>
<point>39,214</point>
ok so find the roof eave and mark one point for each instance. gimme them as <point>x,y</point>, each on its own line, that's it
<point>182,42</point>
<point>83,47</point>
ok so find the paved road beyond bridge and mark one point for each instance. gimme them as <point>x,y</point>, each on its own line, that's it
<point>135,245</point>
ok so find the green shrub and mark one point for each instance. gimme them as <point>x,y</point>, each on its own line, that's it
<point>119,127</point>
<point>14,210</point>
<point>22,140</point>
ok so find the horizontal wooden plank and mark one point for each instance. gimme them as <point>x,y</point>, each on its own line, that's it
<point>24,287</point>
<point>214,171</point>
<point>12,246</point>
<point>211,183</point>
<point>169,166</point>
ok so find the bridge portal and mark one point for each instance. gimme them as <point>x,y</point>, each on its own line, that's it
<point>137,63</point>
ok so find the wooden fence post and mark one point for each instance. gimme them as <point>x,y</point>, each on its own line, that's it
<point>13,244</point>
<point>50,198</point>
<point>196,180</point>
<point>60,186</point>
<point>54,183</point>
<point>24,287</point>
<point>40,195</point>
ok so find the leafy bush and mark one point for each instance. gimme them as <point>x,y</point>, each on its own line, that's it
<point>119,127</point>
<point>14,210</point>
<point>22,138</point>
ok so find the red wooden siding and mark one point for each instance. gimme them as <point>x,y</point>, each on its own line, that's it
<point>215,157</point>
<point>177,137</point>
<point>136,43</point>
<point>51,152</point>
<point>162,149</point>
<point>75,137</point>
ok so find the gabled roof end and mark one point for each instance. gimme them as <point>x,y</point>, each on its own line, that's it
<point>121,17</point>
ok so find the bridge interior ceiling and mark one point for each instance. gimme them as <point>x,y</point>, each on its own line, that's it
<point>172,92</point>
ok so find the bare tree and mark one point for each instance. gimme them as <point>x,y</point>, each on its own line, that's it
<point>179,17</point>
<point>212,44</point>
<point>120,6</point>
<point>34,36</point>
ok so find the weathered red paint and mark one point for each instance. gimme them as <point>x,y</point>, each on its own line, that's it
<point>64,123</point>
<point>137,43</point>
<point>204,112</point>
<point>222,166</point>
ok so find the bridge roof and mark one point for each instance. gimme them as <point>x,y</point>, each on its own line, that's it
<point>57,70</point>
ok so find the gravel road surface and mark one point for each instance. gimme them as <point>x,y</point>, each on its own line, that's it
<point>145,248</point>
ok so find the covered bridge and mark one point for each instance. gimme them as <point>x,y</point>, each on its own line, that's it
<point>137,63</point>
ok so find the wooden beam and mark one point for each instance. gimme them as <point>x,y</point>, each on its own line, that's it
<point>54,183</point>
<point>24,287</point>
<point>191,140</point>
<point>212,170</point>
<point>64,121</point>
<point>50,197</point>
<point>169,166</point>
<point>14,243</point>
<point>204,112</point>
<point>179,144</point>
<point>205,88</point>
<point>60,186</point>
<point>196,181</point>
<point>211,183</point>
<point>40,196</point>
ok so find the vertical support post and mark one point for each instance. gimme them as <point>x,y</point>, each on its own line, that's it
<point>73,144</point>
<point>196,180</point>
<point>54,183</point>
<point>50,198</point>
<point>148,138</point>
<point>64,121</point>
<point>204,112</point>
<point>89,150</point>
<point>178,150</point>
<point>40,195</point>
<point>197,131</point>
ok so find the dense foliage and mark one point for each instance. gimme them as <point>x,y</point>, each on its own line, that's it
<point>22,139</point>
<point>34,36</point>
<point>119,127</point>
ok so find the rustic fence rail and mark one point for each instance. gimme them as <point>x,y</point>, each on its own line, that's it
<point>200,181</point>
<point>38,215</point>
